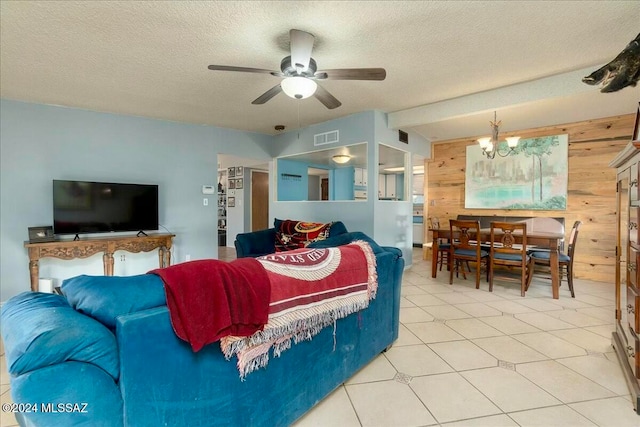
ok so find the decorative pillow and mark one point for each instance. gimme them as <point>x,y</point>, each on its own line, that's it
<point>298,234</point>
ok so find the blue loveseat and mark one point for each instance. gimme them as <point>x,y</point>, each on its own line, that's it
<point>263,242</point>
<point>108,349</point>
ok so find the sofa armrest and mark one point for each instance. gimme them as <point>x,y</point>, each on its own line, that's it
<point>56,355</point>
<point>41,330</point>
<point>256,243</point>
<point>68,394</point>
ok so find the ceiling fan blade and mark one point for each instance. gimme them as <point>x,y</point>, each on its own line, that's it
<point>267,95</point>
<point>353,74</point>
<point>326,98</point>
<point>242,69</point>
<point>301,47</point>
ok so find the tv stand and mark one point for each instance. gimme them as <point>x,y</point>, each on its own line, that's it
<point>86,247</point>
<point>141,233</point>
<point>76,238</point>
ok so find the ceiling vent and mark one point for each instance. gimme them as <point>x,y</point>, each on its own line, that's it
<point>326,138</point>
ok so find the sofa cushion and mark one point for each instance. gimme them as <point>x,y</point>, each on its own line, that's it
<point>106,297</point>
<point>298,234</point>
<point>41,329</point>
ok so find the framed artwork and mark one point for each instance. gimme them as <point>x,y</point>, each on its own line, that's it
<point>636,127</point>
<point>232,184</point>
<point>534,177</point>
<point>41,234</point>
<point>231,202</point>
<point>239,183</point>
<point>239,170</point>
<point>231,172</point>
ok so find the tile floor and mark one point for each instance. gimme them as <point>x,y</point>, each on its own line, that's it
<point>467,357</point>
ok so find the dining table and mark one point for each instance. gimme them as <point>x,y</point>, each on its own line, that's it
<point>541,240</point>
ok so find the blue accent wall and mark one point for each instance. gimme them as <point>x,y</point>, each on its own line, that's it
<point>292,180</point>
<point>39,143</point>
<point>342,184</point>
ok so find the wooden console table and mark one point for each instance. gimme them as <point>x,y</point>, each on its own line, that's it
<point>84,248</point>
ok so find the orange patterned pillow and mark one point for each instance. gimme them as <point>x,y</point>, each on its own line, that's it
<point>298,234</point>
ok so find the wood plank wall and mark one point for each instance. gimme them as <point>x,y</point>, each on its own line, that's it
<point>591,187</point>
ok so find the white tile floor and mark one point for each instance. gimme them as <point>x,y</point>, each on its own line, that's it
<point>467,357</point>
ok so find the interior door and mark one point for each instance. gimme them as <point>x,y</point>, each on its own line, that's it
<point>324,189</point>
<point>259,200</point>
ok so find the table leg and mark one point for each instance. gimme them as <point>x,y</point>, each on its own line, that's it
<point>555,270</point>
<point>107,261</point>
<point>161,257</point>
<point>434,258</point>
<point>168,254</point>
<point>34,270</point>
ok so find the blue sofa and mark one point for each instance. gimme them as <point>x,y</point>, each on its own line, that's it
<point>107,352</point>
<point>259,243</point>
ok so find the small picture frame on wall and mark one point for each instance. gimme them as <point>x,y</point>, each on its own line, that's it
<point>231,202</point>
<point>239,170</point>
<point>232,184</point>
<point>231,173</point>
<point>239,183</point>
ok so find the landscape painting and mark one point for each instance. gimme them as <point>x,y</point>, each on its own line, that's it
<point>533,177</point>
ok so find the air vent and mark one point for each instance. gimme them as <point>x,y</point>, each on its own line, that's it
<point>326,138</point>
<point>403,136</point>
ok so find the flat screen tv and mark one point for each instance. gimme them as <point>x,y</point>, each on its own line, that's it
<point>102,207</point>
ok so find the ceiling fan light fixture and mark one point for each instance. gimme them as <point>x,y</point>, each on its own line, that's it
<point>298,87</point>
<point>341,158</point>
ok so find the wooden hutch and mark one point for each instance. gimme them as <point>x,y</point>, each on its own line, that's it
<point>625,338</point>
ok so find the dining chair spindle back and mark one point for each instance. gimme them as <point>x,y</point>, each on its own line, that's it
<point>505,252</point>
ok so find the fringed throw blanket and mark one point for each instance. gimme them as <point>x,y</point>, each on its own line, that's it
<point>310,289</point>
<point>209,299</point>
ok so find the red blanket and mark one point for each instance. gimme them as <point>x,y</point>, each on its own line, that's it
<point>209,299</point>
<point>310,289</point>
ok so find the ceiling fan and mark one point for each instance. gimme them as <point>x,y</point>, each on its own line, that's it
<point>299,72</point>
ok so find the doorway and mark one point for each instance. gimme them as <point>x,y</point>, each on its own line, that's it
<point>259,200</point>
<point>324,189</point>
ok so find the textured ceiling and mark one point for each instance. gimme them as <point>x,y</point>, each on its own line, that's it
<point>150,59</point>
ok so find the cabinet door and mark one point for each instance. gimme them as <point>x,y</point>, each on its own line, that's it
<point>382,186</point>
<point>622,247</point>
<point>357,176</point>
<point>391,185</point>
<point>633,225</point>
<point>633,183</point>
<point>633,354</point>
<point>633,303</point>
<point>364,176</point>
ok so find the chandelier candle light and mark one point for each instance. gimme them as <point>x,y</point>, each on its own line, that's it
<point>491,145</point>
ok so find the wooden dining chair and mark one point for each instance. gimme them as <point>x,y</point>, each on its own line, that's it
<point>443,244</point>
<point>464,247</point>
<point>505,252</point>
<point>564,260</point>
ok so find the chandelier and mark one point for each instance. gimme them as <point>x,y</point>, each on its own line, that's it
<point>491,145</point>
